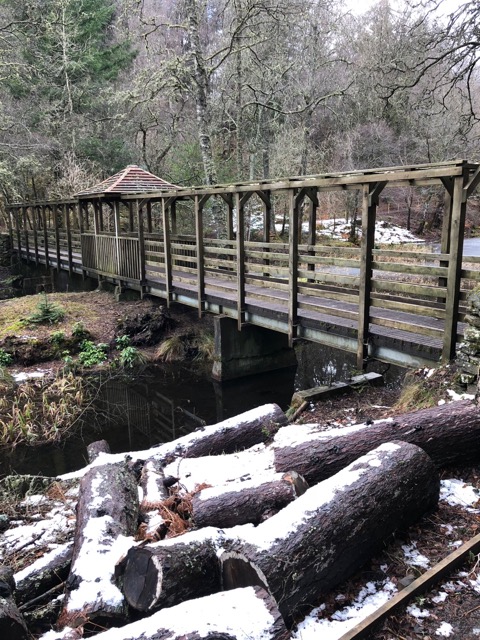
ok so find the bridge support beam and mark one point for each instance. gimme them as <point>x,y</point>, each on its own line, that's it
<point>250,351</point>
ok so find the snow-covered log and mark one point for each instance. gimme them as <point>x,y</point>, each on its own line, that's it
<point>324,536</point>
<point>107,513</point>
<point>450,434</point>
<point>235,434</point>
<point>94,449</point>
<point>45,573</point>
<point>167,573</point>
<point>241,614</point>
<point>228,506</point>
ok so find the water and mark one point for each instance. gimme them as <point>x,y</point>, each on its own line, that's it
<point>165,402</point>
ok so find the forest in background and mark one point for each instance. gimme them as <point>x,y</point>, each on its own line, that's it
<point>208,91</point>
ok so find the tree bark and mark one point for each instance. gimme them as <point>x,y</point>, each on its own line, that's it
<point>450,434</point>
<point>44,574</point>
<point>94,449</point>
<point>170,572</point>
<point>237,433</point>
<point>322,538</point>
<point>12,624</point>
<point>107,512</point>
<point>242,614</point>
<point>231,506</point>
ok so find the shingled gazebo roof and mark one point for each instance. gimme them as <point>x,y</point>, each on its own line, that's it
<point>133,179</point>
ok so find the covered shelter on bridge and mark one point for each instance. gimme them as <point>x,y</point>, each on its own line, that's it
<point>380,303</point>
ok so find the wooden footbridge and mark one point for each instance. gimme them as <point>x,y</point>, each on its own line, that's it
<point>194,245</point>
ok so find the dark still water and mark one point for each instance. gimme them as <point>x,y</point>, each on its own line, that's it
<point>165,402</point>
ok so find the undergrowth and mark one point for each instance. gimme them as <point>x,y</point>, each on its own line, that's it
<point>42,411</point>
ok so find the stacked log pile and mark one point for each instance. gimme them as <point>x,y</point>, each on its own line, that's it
<point>278,513</point>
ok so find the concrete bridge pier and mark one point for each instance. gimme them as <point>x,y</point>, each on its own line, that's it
<point>249,351</point>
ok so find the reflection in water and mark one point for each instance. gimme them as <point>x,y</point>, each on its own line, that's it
<point>168,401</point>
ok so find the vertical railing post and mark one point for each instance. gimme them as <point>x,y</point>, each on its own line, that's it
<point>25,232</point>
<point>312,230</point>
<point>66,211</point>
<point>130,217</point>
<point>45,236</point>
<point>149,217</point>
<point>57,236</point>
<point>173,217</point>
<point>457,228</point>
<point>116,217</point>
<point>267,223</point>
<point>199,203</point>
<point>141,244</point>
<point>167,252</point>
<point>35,232</point>
<point>445,240</point>
<point>18,211</point>
<point>240,207</point>
<point>371,194</point>
<point>292,267</point>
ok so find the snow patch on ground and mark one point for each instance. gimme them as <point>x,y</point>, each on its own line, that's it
<point>445,630</point>
<point>414,557</point>
<point>385,233</point>
<point>372,596</point>
<point>458,493</point>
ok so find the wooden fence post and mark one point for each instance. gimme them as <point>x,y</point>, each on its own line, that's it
<point>25,232</point>
<point>141,244</point>
<point>167,252</point>
<point>199,204</point>
<point>35,232</point>
<point>371,193</point>
<point>66,212</point>
<point>292,267</point>
<point>457,227</point>
<point>57,237</point>
<point>45,236</point>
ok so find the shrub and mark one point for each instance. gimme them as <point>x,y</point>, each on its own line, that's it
<point>5,358</point>
<point>122,342</point>
<point>47,313</point>
<point>92,354</point>
<point>131,357</point>
<point>57,338</point>
<point>80,332</point>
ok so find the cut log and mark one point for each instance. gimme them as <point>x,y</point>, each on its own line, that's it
<point>107,512</point>
<point>450,434</point>
<point>45,573</point>
<point>241,614</point>
<point>94,449</point>
<point>12,624</point>
<point>167,573</point>
<point>235,434</point>
<point>319,540</point>
<point>245,502</point>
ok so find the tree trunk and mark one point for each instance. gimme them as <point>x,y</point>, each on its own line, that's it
<point>248,502</point>
<point>94,449</point>
<point>170,572</point>
<point>44,574</point>
<point>322,538</point>
<point>234,434</point>
<point>107,512</point>
<point>242,614</point>
<point>450,434</point>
